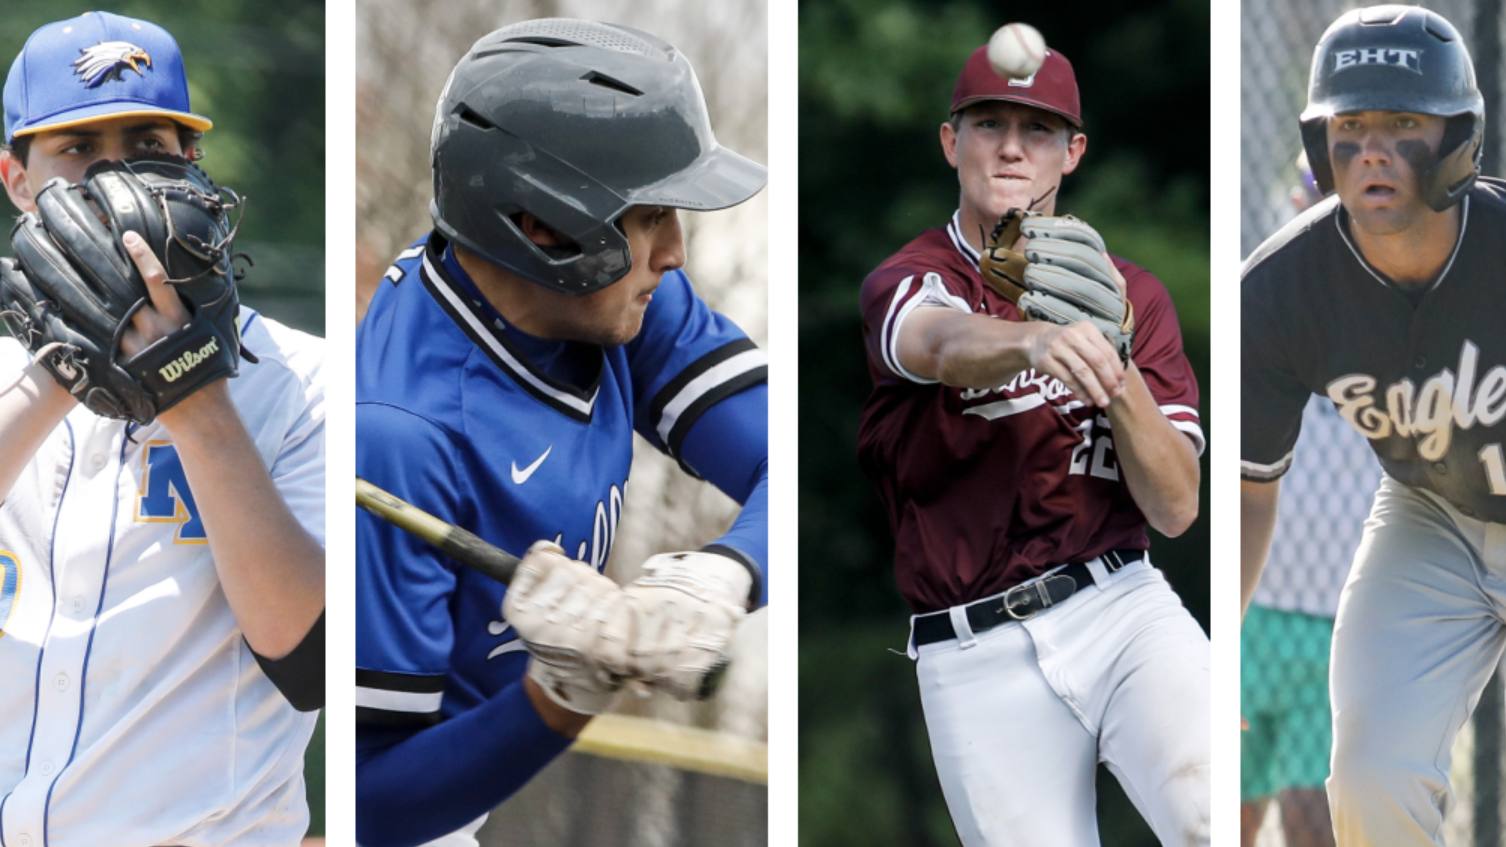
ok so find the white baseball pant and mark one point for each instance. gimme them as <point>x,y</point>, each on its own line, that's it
<point>1418,632</point>
<point>1020,715</point>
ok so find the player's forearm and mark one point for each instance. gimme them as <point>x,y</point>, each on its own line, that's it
<point>1159,462</point>
<point>469,765</point>
<point>32,404</point>
<point>964,350</point>
<point>272,570</point>
<point>1257,525</point>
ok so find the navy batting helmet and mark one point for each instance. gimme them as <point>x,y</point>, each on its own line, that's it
<point>1398,59</point>
<point>573,122</point>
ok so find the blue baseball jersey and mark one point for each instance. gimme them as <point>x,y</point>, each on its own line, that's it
<point>517,439</point>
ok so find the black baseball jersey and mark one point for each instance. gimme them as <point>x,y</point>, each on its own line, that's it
<point>1423,376</point>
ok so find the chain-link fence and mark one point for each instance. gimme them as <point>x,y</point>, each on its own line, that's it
<point>1326,495</point>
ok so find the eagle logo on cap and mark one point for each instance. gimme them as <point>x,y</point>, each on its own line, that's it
<point>107,60</point>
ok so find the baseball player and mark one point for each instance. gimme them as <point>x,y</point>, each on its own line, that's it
<point>161,584</point>
<point>1384,299</point>
<point>504,364</point>
<point>1020,463</point>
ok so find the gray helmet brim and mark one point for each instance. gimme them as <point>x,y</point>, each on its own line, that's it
<point>718,180</point>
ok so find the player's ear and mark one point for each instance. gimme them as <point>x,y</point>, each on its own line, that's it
<point>13,173</point>
<point>540,233</point>
<point>949,142</point>
<point>1076,146</point>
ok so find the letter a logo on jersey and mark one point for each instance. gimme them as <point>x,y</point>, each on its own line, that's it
<point>165,496</point>
<point>10,587</point>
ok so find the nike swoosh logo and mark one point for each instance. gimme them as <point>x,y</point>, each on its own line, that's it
<point>521,476</point>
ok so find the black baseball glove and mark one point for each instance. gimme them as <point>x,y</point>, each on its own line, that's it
<point>72,289</point>
<point>1061,276</point>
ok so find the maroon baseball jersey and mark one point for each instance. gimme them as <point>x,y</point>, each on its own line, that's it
<point>988,488</point>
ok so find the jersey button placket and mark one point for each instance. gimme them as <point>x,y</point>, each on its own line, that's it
<point>80,556</point>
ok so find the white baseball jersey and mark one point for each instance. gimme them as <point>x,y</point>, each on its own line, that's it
<point>132,713</point>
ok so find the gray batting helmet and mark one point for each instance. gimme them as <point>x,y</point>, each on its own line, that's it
<point>1398,59</point>
<point>573,122</point>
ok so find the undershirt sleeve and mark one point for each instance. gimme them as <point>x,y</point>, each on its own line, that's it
<point>414,785</point>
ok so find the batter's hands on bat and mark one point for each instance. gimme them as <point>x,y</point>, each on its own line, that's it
<point>688,607</point>
<point>575,623</point>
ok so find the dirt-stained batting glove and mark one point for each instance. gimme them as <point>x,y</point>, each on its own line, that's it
<point>689,606</point>
<point>72,289</point>
<point>1061,276</point>
<point>574,622</point>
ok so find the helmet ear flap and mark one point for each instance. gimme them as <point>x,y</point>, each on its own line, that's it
<point>1315,142</point>
<point>1449,178</point>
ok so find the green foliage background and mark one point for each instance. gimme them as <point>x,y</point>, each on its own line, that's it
<point>876,77</point>
<point>255,68</point>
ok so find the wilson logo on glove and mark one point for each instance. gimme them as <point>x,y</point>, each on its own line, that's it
<point>188,361</point>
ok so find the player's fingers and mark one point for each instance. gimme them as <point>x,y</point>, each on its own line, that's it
<point>1100,356</point>
<point>1079,376</point>
<point>1093,364</point>
<point>132,342</point>
<point>147,326</point>
<point>1055,354</point>
<point>163,298</point>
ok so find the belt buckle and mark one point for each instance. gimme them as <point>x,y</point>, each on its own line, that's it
<point>1009,604</point>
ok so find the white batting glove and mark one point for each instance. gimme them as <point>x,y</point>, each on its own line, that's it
<point>688,606</point>
<point>575,623</point>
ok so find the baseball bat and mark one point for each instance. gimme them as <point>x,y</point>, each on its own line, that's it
<point>469,550</point>
<point>464,547</point>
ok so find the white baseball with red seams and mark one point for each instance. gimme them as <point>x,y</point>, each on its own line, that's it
<point>1016,51</point>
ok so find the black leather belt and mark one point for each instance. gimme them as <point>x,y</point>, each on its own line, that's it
<point>1022,602</point>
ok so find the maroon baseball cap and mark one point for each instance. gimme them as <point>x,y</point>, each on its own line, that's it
<point>1053,87</point>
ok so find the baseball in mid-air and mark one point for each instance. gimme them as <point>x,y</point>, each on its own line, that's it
<point>1016,51</point>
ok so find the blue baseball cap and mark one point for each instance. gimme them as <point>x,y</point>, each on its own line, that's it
<point>94,66</point>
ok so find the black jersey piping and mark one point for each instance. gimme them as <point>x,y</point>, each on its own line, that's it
<point>402,683</point>
<point>1339,219</point>
<point>573,402</point>
<point>708,396</point>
